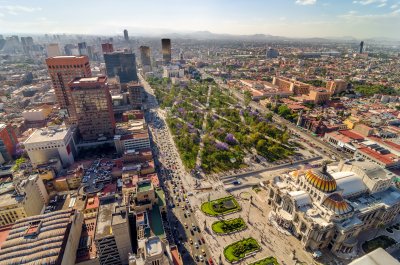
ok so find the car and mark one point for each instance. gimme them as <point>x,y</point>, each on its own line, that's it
<point>192,232</point>
<point>185,215</point>
<point>199,241</point>
<point>196,245</point>
<point>202,240</point>
<point>193,226</point>
<point>191,241</point>
<point>203,251</point>
<point>186,226</point>
<point>236,182</point>
<point>201,258</point>
<point>196,258</point>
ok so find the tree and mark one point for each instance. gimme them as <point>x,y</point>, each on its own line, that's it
<point>248,97</point>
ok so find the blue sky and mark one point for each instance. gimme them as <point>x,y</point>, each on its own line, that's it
<point>293,18</point>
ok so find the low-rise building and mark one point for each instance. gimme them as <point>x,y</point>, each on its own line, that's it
<point>330,207</point>
<point>51,238</point>
<point>49,143</point>
<point>21,199</point>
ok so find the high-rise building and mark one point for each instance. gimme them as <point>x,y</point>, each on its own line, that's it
<point>27,43</point>
<point>112,237</point>
<point>107,47</point>
<point>53,50</point>
<point>166,50</point>
<point>51,238</point>
<point>126,37</point>
<point>94,114</point>
<point>145,55</point>
<point>82,47</point>
<point>63,69</point>
<point>361,46</point>
<point>9,141</point>
<point>90,52</point>
<point>121,64</point>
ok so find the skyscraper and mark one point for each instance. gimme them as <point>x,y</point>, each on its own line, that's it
<point>107,47</point>
<point>121,64</point>
<point>361,46</point>
<point>63,69</point>
<point>53,50</point>
<point>145,55</point>
<point>92,100</point>
<point>27,43</point>
<point>166,50</point>
<point>82,47</point>
<point>126,37</point>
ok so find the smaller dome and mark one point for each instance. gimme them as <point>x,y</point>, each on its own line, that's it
<point>336,203</point>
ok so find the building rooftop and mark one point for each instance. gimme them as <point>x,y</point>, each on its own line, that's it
<point>103,227</point>
<point>153,246</point>
<point>38,239</point>
<point>377,257</point>
<point>47,134</point>
<point>9,198</point>
<point>144,186</point>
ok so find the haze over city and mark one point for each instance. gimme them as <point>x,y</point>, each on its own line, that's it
<point>289,18</point>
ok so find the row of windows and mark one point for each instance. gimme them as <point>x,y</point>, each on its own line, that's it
<point>44,147</point>
<point>65,66</point>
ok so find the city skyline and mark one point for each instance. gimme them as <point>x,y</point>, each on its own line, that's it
<point>290,18</point>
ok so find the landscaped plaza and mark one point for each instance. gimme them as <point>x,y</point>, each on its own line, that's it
<point>213,131</point>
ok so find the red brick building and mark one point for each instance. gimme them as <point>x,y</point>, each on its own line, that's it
<point>9,139</point>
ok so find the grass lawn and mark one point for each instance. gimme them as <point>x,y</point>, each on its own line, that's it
<point>239,249</point>
<point>220,206</point>
<point>380,241</point>
<point>266,261</point>
<point>228,226</point>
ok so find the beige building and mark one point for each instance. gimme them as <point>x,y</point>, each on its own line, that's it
<point>336,86</point>
<point>319,96</point>
<point>51,238</point>
<point>287,84</point>
<point>328,208</point>
<point>29,198</point>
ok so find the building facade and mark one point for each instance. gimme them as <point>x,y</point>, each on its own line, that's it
<point>166,51</point>
<point>9,139</point>
<point>49,143</point>
<point>23,198</point>
<point>121,64</point>
<point>63,69</point>
<point>107,47</point>
<point>94,114</point>
<point>53,239</point>
<point>328,208</point>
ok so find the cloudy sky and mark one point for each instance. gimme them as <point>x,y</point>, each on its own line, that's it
<point>292,18</point>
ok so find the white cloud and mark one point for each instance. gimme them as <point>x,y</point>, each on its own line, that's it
<point>394,6</point>
<point>17,9</point>
<point>381,3</point>
<point>306,2</point>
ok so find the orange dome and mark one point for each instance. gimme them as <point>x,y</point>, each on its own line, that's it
<point>321,180</point>
<point>336,203</point>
